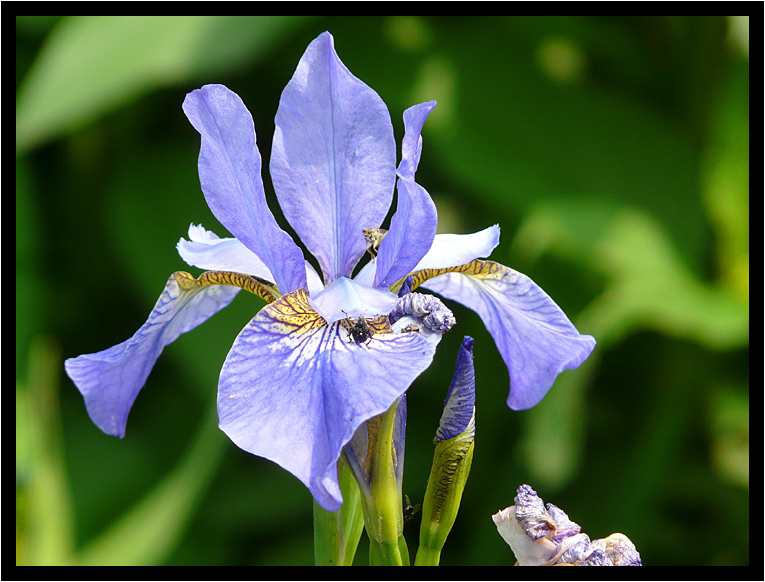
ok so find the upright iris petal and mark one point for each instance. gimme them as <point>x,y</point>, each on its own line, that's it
<point>334,158</point>
<point>413,226</point>
<point>229,172</point>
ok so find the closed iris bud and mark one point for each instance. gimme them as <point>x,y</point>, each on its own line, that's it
<point>451,461</point>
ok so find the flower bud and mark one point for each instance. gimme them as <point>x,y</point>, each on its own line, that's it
<point>451,462</point>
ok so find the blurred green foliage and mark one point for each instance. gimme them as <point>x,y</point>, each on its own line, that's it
<point>613,152</point>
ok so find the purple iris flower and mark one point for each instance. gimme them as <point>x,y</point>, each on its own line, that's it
<point>323,357</point>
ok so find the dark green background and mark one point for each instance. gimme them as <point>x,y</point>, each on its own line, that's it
<point>612,151</point>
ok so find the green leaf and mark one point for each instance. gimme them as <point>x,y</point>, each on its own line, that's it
<point>147,533</point>
<point>92,64</point>
<point>725,180</point>
<point>31,309</point>
<point>554,436</point>
<point>728,410</point>
<point>652,289</point>
<point>648,287</point>
<point>44,520</point>
<point>516,135</point>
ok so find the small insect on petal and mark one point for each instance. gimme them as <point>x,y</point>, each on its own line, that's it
<point>374,237</point>
<point>359,331</point>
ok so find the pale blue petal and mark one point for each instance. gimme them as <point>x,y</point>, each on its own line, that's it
<point>110,380</point>
<point>346,298</point>
<point>413,226</point>
<point>366,276</point>
<point>313,280</point>
<point>451,250</point>
<point>206,250</point>
<point>410,235</point>
<point>333,158</point>
<point>535,338</point>
<point>294,389</point>
<point>229,173</point>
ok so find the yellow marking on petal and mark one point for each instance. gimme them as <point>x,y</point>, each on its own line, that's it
<point>475,268</point>
<point>294,314</point>
<point>255,285</point>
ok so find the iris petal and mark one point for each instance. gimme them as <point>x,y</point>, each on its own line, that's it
<point>450,250</point>
<point>333,158</point>
<point>110,380</point>
<point>294,389</point>
<point>345,297</point>
<point>229,173</point>
<point>535,338</point>
<point>413,226</point>
<point>208,251</point>
<point>410,236</point>
<point>411,145</point>
<point>459,407</point>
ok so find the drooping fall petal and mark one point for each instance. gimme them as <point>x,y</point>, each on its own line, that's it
<point>294,389</point>
<point>535,338</point>
<point>110,380</point>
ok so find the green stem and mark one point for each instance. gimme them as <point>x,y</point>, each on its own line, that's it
<point>336,533</point>
<point>427,556</point>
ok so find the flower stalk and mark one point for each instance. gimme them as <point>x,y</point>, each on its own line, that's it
<point>336,534</point>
